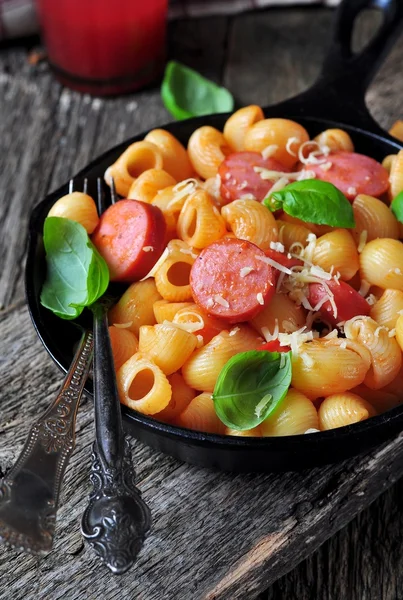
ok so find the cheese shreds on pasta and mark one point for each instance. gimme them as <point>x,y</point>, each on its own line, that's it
<point>290,142</point>
<point>362,241</point>
<point>148,248</point>
<point>259,298</point>
<point>123,325</point>
<point>274,263</point>
<point>269,151</point>
<point>190,326</point>
<point>158,264</point>
<point>326,166</point>
<point>234,331</point>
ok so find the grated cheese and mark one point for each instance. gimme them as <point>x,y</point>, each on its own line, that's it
<point>312,430</point>
<point>306,174</point>
<point>352,191</point>
<point>326,166</point>
<point>188,251</point>
<point>397,271</point>
<point>307,360</point>
<point>379,329</point>
<point>158,264</point>
<point>274,263</point>
<point>262,404</point>
<point>123,325</point>
<point>332,334</point>
<point>371,299</point>
<point>210,303</point>
<point>148,248</point>
<point>319,272</point>
<point>200,341</point>
<point>181,190</point>
<point>245,271</point>
<point>234,331</point>
<point>220,300</point>
<point>279,185</point>
<point>243,185</point>
<point>312,159</point>
<point>290,142</point>
<point>247,197</point>
<point>269,150</point>
<point>282,360</point>
<point>259,298</point>
<point>277,246</point>
<point>392,333</point>
<point>362,241</point>
<point>269,337</point>
<point>343,345</point>
<point>227,176</point>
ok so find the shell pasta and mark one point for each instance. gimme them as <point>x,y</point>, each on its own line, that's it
<point>264,277</point>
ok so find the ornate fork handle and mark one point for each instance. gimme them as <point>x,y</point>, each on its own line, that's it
<point>29,493</point>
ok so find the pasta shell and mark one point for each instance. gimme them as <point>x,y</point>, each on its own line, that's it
<point>124,344</point>
<point>375,218</point>
<point>386,356</point>
<point>146,186</point>
<point>77,207</point>
<point>249,220</point>
<point>135,307</point>
<point>381,263</point>
<point>142,385</point>
<point>172,276</point>
<point>182,395</point>
<point>238,123</point>
<point>200,223</point>
<point>386,310</point>
<point>335,140</point>
<point>339,410</point>
<point>165,311</point>
<point>255,432</point>
<point>280,314</point>
<point>338,250</point>
<point>175,158</point>
<point>207,149</point>
<point>276,132</point>
<point>291,233</point>
<point>324,367</point>
<point>296,414</point>
<point>167,345</point>
<point>136,159</point>
<point>200,415</point>
<point>203,367</point>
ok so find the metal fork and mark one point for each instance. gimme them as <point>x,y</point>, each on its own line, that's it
<point>116,519</point>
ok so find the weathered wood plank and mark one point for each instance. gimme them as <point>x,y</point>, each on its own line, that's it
<point>240,532</point>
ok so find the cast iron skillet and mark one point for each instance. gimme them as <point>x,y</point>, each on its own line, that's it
<point>335,100</point>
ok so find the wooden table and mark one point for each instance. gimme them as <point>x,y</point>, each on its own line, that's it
<point>215,535</point>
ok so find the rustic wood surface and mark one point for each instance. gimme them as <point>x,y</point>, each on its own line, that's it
<point>215,536</point>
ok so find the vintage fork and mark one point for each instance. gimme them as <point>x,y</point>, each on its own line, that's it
<point>117,519</point>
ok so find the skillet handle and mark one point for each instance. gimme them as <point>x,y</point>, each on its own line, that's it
<point>339,92</point>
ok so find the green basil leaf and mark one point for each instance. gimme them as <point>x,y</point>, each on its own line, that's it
<point>250,386</point>
<point>313,201</point>
<point>397,207</point>
<point>77,275</point>
<point>186,93</point>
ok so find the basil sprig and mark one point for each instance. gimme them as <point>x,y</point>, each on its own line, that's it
<point>397,207</point>
<point>77,275</point>
<point>186,93</point>
<point>313,201</point>
<point>250,386</point>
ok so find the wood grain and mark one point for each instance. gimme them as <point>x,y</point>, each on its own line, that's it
<point>215,536</point>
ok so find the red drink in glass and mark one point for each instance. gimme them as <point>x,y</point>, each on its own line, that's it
<point>104,47</point>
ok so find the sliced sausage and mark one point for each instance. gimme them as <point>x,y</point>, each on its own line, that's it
<point>349,303</point>
<point>130,237</point>
<point>239,178</point>
<point>353,174</point>
<point>230,280</point>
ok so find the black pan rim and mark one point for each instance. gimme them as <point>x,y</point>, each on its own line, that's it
<point>274,444</point>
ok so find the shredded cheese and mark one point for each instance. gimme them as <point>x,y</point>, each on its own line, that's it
<point>352,191</point>
<point>245,271</point>
<point>123,325</point>
<point>312,430</point>
<point>269,151</point>
<point>279,185</point>
<point>274,263</point>
<point>148,248</point>
<point>290,142</point>
<point>220,300</point>
<point>200,341</point>
<point>362,240</point>
<point>234,331</point>
<point>371,299</point>
<point>277,246</point>
<point>247,197</point>
<point>326,166</point>
<point>158,264</point>
<point>392,333</point>
<point>184,321</point>
<point>259,298</point>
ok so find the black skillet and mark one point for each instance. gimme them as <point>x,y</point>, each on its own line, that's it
<point>335,100</point>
